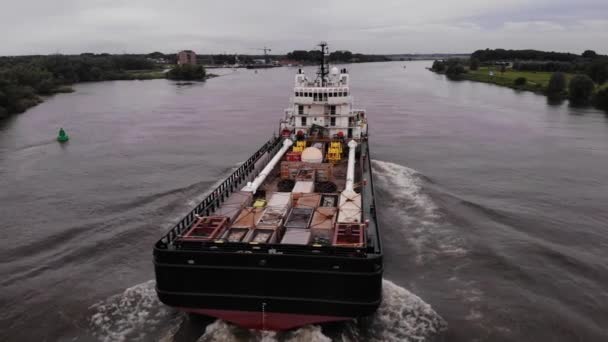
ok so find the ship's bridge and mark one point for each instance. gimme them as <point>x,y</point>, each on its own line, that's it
<point>324,101</point>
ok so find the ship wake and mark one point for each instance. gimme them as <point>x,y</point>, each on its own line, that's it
<point>403,199</point>
<point>138,315</point>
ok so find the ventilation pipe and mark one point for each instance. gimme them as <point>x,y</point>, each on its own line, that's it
<point>350,172</point>
<point>253,186</point>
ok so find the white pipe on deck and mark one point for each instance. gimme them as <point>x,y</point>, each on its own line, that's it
<point>350,172</point>
<point>253,186</point>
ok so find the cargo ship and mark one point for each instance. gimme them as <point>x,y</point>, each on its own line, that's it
<point>290,238</point>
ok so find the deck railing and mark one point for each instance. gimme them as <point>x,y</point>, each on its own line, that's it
<point>219,194</point>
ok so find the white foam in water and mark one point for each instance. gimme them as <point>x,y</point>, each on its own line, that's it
<point>137,315</point>
<point>134,315</point>
<point>403,316</point>
<point>405,187</point>
<point>420,216</point>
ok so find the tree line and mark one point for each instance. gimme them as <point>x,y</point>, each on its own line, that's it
<point>342,56</point>
<point>535,55</point>
<point>24,79</point>
<point>590,72</point>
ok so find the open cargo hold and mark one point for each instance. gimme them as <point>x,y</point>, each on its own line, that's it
<point>295,236</point>
<point>206,228</point>
<point>263,236</point>
<point>329,200</point>
<point>233,204</point>
<point>299,218</point>
<point>349,235</point>
<point>322,225</point>
<point>272,218</point>
<point>350,207</point>
<point>308,201</point>
<point>248,218</point>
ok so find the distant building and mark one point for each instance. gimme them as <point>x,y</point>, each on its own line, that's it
<point>186,57</point>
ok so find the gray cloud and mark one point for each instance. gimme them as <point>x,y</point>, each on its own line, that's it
<point>381,26</point>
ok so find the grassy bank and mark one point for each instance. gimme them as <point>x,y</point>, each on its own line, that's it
<point>536,81</point>
<point>153,74</point>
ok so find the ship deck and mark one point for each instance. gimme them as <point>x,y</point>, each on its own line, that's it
<point>314,211</point>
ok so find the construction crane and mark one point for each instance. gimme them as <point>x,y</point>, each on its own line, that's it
<point>266,50</point>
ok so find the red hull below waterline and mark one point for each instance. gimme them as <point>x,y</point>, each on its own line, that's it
<point>265,321</point>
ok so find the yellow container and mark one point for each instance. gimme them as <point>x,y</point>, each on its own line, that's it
<point>259,203</point>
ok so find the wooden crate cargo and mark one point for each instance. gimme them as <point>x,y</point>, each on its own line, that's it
<point>306,174</point>
<point>302,187</point>
<point>236,234</point>
<point>322,225</point>
<point>329,200</point>
<point>295,236</point>
<point>350,208</point>
<point>349,235</point>
<point>233,205</point>
<point>352,215</point>
<point>272,218</point>
<point>299,218</point>
<point>308,201</point>
<point>323,171</point>
<point>206,228</point>
<point>259,235</point>
<point>248,218</point>
<point>279,200</point>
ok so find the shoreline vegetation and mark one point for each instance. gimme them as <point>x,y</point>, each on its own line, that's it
<point>581,79</point>
<point>25,81</point>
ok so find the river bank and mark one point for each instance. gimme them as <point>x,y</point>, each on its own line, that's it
<point>33,99</point>
<point>533,81</point>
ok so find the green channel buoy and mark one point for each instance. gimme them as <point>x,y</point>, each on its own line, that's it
<point>62,137</point>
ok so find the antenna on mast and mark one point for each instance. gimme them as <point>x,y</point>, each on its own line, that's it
<point>323,71</point>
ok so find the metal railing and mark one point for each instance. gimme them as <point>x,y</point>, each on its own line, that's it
<point>219,194</point>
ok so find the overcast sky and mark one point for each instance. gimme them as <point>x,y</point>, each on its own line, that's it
<point>237,26</point>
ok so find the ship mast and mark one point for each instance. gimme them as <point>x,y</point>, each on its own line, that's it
<point>324,69</point>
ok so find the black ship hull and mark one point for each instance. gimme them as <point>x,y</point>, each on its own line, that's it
<point>304,286</point>
<point>271,286</point>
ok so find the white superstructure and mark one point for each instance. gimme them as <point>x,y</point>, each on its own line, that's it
<point>324,101</point>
